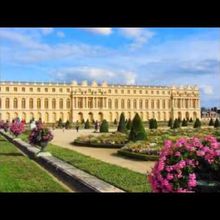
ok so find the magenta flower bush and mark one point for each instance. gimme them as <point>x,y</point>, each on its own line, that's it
<point>185,162</point>
<point>40,135</point>
<point>17,128</point>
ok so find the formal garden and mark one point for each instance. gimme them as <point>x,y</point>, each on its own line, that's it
<point>186,153</point>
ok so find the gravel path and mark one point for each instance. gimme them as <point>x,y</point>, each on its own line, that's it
<point>64,139</point>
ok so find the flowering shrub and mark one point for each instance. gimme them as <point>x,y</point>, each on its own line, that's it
<point>40,135</point>
<point>17,128</point>
<point>184,162</point>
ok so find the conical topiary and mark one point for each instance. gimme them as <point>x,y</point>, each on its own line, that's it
<point>170,123</point>
<point>137,129</point>
<point>190,120</point>
<point>184,123</point>
<point>176,124</point>
<point>67,124</point>
<point>87,124</point>
<point>60,123</point>
<point>104,126</point>
<point>122,125</point>
<point>128,125</point>
<point>197,123</point>
<point>217,123</point>
<point>152,123</point>
<point>211,122</point>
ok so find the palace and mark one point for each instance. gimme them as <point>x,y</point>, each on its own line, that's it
<point>73,101</point>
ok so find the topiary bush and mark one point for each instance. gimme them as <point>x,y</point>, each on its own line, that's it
<point>211,122</point>
<point>170,123</point>
<point>137,129</point>
<point>197,123</point>
<point>60,123</point>
<point>217,123</point>
<point>129,124</point>
<point>176,124</point>
<point>152,124</point>
<point>87,124</point>
<point>67,124</point>
<point>190,120</point>
<point>104,126</point>
<point>122,124</point>
<point>184,123</point>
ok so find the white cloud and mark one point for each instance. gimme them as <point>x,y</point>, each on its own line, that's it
<point>46,31</point>
<point>140,36</point>
<point>207,89</point>
<point>94,73</point>
<point>101,31</point>
<point>60,34</point>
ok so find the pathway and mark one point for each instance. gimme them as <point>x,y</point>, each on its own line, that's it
<point>65,138</point>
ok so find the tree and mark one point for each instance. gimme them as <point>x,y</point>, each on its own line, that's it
<point>115,122</point>
<point>197,123</point>
<point>87,124</point>
<point>67,124</point>
<point>190,120</point>
<point>122,124</point>
<point>104,126</point>
<point>211,122</point>
<point>176,124</point>
<point>184,123</point>
<point>137,129</point>
<point>217,123</point>
<point>129,124</point>
<point>60,123</point>
<point>170,123</point>
<point>152,124</point>
<point>180,121</point>
<point>83,121</point>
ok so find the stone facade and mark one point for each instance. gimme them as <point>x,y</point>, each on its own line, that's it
<point>73,101</point>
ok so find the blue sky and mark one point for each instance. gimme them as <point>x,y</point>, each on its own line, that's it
<point>148,56</point>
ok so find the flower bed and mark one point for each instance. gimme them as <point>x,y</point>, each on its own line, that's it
<point>114,140</point>
<point>188,165</point>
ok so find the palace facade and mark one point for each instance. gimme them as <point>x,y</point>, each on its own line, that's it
<point>73,101</point>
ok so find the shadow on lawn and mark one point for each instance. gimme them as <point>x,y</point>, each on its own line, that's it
<point>11,154</point>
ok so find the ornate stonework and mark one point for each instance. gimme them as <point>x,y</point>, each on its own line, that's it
<point>73,101</point>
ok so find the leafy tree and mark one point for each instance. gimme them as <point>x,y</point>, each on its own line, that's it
<point>217,123</point>
<point>137,129</point>
<point>87,124</point>
<point>104,126</point>
<point>197,123</point>
<point>211,122</point>
<point>129,124</point>
<point>122,124</point>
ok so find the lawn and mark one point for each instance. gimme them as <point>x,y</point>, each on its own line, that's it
<point>20,174</point>
<point>120,177</point>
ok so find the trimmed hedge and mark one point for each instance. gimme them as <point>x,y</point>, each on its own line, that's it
<point>98,145</point>
<point>122,124</point>
<point>138,156</point>
<point>104,126</point>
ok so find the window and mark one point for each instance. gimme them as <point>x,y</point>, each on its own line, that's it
<point>128,103</point>
<point>146,92</point>
<point>122,91</point>
<point>38,89</point>
<point>152,92</point>
<point>7,89</point>
<point>31,89</point>
<point>140,104</point>
<point>134,91</point>
<point>116,103</point>
<point>116,91</point>
<point>46,104</point>
<point>152,104</point>
<point>122,103</point>
<point>158,92</point>
<point>164,104</point>
<point>61,90</point>
<point>110,103</point>
<point>23,89</point>
<point>53,90</point>
<point>68,90</point>
<point>128,91</point>
<point>61,103</point>
<point>146,104</point>
<point>15,89</point>
<point>31,103</point>
<point>68,103</point>
<point>54,103</point>
<point>15,104</point>
<point>23,103</point>
<point>140,91</point>
<point>135,104</point>
<point>46,89</point>
<point>158,104</point>
<point>7,103</point>
<point>38,103</point>
<point>109,91</point>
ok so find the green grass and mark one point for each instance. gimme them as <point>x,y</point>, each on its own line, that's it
<point>20,174</point>
<point>120,177</point>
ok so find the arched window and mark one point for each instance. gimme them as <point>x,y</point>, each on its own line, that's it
<point>23,103</point>
<point>135,104</point>
<point>164,104</point>
<point>146,104</point>
<point>140,104</point>
<point>46,104</point>
<point>152,104</point>
<point>158,104</point>
<point>38,103</point>
<point>116,103</point>
<point>15,103</point>
<point>178,103</point>
<point>122,103</point>
<point>7,103</point>
<point>46,117</point>
<point>61,103</point>
<point>129,104</point>
<point>109,103</point>
<point>68,103</point>
<point>53,103</point>
<point>31,103</point>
